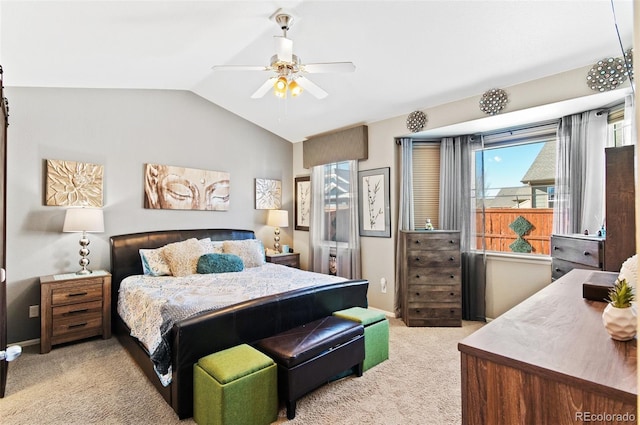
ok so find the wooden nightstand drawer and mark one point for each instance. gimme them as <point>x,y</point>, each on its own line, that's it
<point>74,307</point>
<point>77,293</point>
<point>290,259</point>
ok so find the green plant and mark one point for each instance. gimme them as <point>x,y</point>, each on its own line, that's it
<point>621,295</point>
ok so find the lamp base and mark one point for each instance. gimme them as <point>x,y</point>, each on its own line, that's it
<point>84,271</point>
<point>84,253</point>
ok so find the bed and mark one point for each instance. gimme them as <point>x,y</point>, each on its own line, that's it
<point>247,321</point>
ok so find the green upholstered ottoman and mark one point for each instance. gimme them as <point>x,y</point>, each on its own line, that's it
<point>376,333</point>
<point>236,386</point>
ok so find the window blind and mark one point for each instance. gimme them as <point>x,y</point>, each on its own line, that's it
<point>426,183</point>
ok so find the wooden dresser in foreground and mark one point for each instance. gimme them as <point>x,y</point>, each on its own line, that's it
<point>430,286</point>
<point>549,360</point>
<point>74,307</point>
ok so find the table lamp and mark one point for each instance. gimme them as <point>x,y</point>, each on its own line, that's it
<point>277,219</point>
<point>85,220</point>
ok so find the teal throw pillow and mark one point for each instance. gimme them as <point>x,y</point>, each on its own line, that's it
<point>219,263</point>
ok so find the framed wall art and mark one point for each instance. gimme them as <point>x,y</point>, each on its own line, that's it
<point>374,195</point>
<point>268,194</point>
<point>180,188</point>
<point>302,202</point>
<point>71,183</point>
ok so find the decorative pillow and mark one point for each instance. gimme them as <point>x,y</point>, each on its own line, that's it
<point>251,251</point>
<point>211,247</point>
<point>629,270</point>
<point>153,263</point>
<point>219,263</point>
<point>182,257</point>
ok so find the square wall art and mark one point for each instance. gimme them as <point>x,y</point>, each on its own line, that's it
<point>71,183</point>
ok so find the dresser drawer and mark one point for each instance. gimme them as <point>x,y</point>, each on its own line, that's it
<point>77,293</point>
<point>430,294</point>
<point>434,316</point>
<point>418,259</point>
<point>78,324</point>
<point>433,276</point>
<point>435,241</point>
<point>577,250</point>
<point>562,267</point>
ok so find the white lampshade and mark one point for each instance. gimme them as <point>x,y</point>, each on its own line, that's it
<point>278,218</point>
<point>84,220</point>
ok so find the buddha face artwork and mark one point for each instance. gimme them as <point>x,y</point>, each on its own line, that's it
<point>181,188</point>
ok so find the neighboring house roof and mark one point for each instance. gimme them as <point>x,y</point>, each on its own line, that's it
<point>543,168</point>
<point>510,197</point>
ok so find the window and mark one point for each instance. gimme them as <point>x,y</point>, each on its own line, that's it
<point>517,196</point>
<point>337,201</point>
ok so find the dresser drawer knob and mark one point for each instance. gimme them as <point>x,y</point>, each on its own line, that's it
<point>77,294</point>
<point>417,294</point>
<point>452,241</point>
<point>451,258</point>
<point>586,253</point>
<point>451,276</point>
<point>451,293</point>
<point>558,269</point>
<point>417,242</point>
<point>555,248</point>
<point>417,258</point>
<point>417,276</point>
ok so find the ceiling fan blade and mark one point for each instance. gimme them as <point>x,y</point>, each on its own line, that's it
<point>317,68</point>
<point>311,87</point>
<point>264,88</point>
<point>284,48</point>
<point>240,68</point>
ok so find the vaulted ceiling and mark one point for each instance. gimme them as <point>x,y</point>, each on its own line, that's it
<point>408,54</point>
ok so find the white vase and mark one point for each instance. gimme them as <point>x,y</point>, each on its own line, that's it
<point>620,322</point>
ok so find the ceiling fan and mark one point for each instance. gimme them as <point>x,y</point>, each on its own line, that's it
<point>287,69</point>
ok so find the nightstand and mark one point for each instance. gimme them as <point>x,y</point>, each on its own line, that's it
<point>74,307</point>
<point>288,259</point>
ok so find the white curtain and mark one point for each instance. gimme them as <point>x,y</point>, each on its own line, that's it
<point>334,228</point>
<point>630,131</point>
<point>405,210</point>
<point>580,164</point>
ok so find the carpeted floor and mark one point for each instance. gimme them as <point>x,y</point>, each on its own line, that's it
<point>97,382</point>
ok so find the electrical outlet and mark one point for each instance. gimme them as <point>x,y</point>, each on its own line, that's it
<point>383,285</point>
<point>34,311</point>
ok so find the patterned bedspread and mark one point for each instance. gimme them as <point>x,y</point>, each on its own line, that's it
<point>151,305</point>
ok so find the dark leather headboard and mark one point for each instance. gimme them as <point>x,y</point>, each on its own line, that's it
<point>125,258</point>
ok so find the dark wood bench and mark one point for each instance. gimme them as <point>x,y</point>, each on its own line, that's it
<point>308,356</point>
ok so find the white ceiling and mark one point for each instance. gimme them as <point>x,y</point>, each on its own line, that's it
<point>408,54</point>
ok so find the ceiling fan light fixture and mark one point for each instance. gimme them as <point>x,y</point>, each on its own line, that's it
<point>281,84</point>
<point>295,89</point>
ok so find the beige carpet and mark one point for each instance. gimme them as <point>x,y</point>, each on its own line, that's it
<point>97,382</point>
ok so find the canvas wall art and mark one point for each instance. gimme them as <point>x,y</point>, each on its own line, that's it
<point>71,183</point>
<point>268,194</point>
<point>181,188</point>
<point>374,213</point>
<point>302,202</point>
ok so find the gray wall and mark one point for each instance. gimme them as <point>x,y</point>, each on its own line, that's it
<point>122,130</point>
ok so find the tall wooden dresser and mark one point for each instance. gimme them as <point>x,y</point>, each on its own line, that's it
<point>430,286</point>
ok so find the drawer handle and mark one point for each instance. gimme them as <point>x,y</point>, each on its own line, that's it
<point>417,242</point>
<point>451,258</point>
<point>555,248</point>
<point>451,276</point>
<point>77,294</point>
<point>451,293</point>
<point>83,310</point>
<point>452,241</point>
<point>452,311</point>
<point>417,276</point>
<point>78,325</point>
<point>586,253</point>
<point>417,258</point>
<point>417,294</point>
<point>558,270</point>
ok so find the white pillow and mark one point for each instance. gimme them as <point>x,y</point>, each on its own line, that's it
<point>629,271</point>
<point>211,247</point>
<point>182,257</point>
<point>251,251</point>
<point>153,263</point>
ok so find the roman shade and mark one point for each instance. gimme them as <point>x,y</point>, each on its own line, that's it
<point>344,145</point>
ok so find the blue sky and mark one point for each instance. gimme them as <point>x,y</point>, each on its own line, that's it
<point>504,167</point>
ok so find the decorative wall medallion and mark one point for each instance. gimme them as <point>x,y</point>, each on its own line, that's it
<point>628,57</point>
<point>71,183</point>
<point>416,121</point>
<point>493,101</point>
<point>607,74</point>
